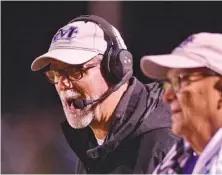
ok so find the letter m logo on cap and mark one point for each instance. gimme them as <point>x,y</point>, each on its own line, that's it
<point>65,33</point>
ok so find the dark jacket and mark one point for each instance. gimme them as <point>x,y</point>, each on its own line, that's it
<point>139,137</point>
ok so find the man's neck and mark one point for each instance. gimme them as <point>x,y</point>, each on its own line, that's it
<point>199,140</point>
<point>101,124</point>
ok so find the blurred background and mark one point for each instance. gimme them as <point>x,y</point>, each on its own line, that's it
<point>31,139</point>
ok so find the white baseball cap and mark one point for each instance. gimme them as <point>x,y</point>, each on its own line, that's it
<point>198,50</point>
<point>75,43</point>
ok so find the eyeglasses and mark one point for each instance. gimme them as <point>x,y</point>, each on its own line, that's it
<point>72,73</point>
<point>183,80</point>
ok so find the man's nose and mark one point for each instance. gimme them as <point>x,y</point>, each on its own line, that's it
<point>169,95</point>
<point>64,83</point>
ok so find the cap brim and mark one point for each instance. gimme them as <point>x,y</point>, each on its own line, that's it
<point>157,66</point>
<point>69,56</point>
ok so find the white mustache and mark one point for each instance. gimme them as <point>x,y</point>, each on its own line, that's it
<point>69,94</point>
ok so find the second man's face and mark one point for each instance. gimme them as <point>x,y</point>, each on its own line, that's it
<point>194,104</point>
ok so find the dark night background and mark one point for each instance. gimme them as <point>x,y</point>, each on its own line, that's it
<point>31,111</point>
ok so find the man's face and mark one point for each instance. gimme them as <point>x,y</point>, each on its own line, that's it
<point>194,105</point>
<point>91,86</point>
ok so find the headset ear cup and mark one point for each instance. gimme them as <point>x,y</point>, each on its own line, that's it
<point>121,64</point>
<point>116,64</point>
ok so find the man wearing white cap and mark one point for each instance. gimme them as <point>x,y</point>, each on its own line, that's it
<point>115,124</point>
<point>193,88</point>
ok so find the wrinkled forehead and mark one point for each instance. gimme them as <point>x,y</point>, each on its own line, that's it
<point>176,72</point>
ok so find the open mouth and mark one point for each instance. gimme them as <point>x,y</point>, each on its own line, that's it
<point>70,103</point>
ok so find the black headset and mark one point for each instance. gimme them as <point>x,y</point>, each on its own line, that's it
<point>117,63</point>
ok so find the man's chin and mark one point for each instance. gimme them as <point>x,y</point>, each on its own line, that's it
<point>79,122</point>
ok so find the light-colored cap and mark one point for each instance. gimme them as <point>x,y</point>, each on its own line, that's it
<point>76,43</point>
<point>198,50</point>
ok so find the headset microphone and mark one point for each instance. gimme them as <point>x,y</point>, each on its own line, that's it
<point>82,103</point>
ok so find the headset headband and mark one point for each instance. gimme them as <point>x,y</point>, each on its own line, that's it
<point>109,35</point>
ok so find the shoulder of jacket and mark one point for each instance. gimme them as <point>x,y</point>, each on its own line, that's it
<point>160,137</point>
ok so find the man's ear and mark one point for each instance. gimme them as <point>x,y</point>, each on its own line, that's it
<point>220,81</point>
<point>218,86</point>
